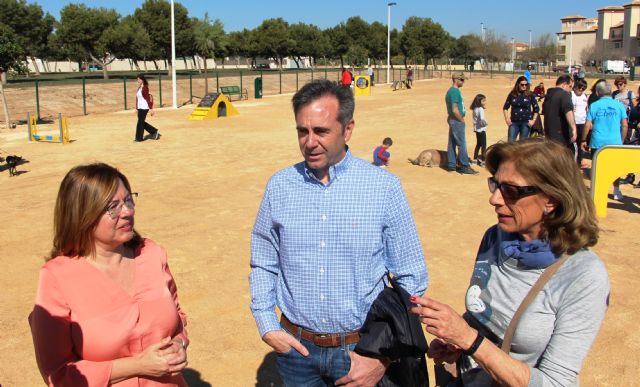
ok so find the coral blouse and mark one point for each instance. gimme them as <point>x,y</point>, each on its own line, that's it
<point>83,320</point>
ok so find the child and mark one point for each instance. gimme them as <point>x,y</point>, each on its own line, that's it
<point>380,155</point>
<point>539,91</point>
<point>579,100</point>
<point>480,127</point>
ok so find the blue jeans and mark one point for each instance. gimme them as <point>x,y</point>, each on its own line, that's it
<point>322,367</point>
<point>457,138</point>
<point>518,128</point>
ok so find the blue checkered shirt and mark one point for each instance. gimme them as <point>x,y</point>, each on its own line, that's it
<point>320,252</point>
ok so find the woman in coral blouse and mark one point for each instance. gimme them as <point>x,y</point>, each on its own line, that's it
<point>107,310</point>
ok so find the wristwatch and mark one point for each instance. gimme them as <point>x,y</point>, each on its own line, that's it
<point>474,347</point>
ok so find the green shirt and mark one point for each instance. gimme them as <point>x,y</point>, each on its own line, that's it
<point>454,96</point>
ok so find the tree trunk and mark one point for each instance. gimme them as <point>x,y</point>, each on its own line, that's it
<point>156,65</point>
<point>206,77</point>
<point>35,65</point>
<point>4,101</point>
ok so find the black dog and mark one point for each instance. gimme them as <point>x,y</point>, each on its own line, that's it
<point>13,162</point>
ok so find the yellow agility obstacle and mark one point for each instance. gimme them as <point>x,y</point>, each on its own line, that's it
<point>213,105</point>
<point>63,125</point>
<point>609,163</point>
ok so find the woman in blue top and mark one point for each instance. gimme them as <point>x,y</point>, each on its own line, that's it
<point>524,110</point>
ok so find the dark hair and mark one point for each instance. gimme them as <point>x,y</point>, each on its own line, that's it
<point>545,164</point>
<point>320,88</point>
<point>620,79</point>
<point>516,88</point>
<point>477,101</point>
<point>593,87</point>
<point>566,78</point>
<point>84,194</point>
<point>580,83</point>
<point>143,79</point>
<point>387,141</point>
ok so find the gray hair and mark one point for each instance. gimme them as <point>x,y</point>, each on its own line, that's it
<point>320,88</point>
<point>603,88</point>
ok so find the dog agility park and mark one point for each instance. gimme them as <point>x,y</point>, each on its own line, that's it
<point>200,187</point>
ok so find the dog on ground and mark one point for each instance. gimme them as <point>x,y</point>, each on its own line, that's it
<point>13,161</point>
<point>430,158</point>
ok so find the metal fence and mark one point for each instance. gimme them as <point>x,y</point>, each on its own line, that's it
<point>78,95</point>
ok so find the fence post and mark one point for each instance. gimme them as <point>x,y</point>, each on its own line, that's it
<point>297,71</point>
<point>217,83</point>
<point>190,88</point>
<point>37,102</point>
<point>241,84</point>
<point>325,73</point>
<point>124,83</point>
<point>280,72</point>
<point>84,98</point>
<point>312,74</point>
<point>160,87</point>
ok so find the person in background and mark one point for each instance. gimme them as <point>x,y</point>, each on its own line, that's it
<point>579,100</point>
<point>624,96</point>
<point>557,109</point>
<point>478,107</point>
<point>381,154</point>
<point>539,92</point>
<point>544,214</point>
<point>593,97</point>
<point>144,105</point>
<point>409,77</point>
<point>106,310</point>
<point>455,120</point>
<point>527,74</point>
<point>371,74</point>
<point>607,123</point>
<point>524,110</point>
<point>346,78</point>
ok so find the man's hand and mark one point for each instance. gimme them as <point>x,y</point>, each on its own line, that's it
<point>282,342</point>
<point>151,111</point>
<point>364,372</point>
<point>583,146</point>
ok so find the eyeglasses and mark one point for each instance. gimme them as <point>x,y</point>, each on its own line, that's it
<point>115,208</point>
<point>511,192</point>
<point>524,84</point>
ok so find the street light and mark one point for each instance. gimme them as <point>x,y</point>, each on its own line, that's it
<point>482,31</point>
<point>529,39</point>
<point>173,57</point>
<point>389,38</point>
<point>571,48</point>
<point>513,51</point>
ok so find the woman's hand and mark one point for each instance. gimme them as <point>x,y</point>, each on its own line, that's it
<point>162,358</point>
<point>508,120</point>
<point>440,352</point>
<point>443,322</point>
<point>531,122</point>
<point>151,112</point>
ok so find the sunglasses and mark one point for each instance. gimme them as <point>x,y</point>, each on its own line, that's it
<point>524,84</point>
<point>461,79</point>
<point>511,192</point>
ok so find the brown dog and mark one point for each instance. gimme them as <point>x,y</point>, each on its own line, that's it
<point>430,158</point>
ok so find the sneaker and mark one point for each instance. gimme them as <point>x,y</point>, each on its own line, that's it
<point>617,195</point>
<point>480,163</point>
<point>155,136</point>
<point>468,171</point>
<point>450,169</point>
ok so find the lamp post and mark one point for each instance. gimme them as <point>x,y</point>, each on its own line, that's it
<point>571,48</point>
<point>389,38</point>
<point>513,51</point>
<point>482,31</point>
<point>173,58</point>
<point>529,39</point>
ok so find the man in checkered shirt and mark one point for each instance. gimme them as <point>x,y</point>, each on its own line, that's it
<point>327,232</point>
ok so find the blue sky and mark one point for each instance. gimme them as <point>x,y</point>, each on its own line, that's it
<point>513,18</point>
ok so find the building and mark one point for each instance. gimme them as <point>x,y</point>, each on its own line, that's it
<point>613,34</point>
<point>577,33</point>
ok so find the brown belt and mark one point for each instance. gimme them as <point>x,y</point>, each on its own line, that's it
<point>321,339</point>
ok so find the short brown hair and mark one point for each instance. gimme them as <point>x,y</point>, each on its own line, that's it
<point>573,225</point>
<point>620,79</point>
<point>84,194</point>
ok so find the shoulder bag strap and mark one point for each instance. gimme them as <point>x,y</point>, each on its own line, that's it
<point>533,292</point>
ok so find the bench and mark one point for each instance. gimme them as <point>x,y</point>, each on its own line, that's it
<point>230,91</point>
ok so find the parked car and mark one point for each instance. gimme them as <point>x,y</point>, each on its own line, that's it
<point>262,66</point>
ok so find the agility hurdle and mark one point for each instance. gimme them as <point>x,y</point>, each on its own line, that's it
<point>609,163</point>
<point>63,125</point>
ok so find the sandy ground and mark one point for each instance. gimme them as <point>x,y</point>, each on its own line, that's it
<point>200,187</point>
